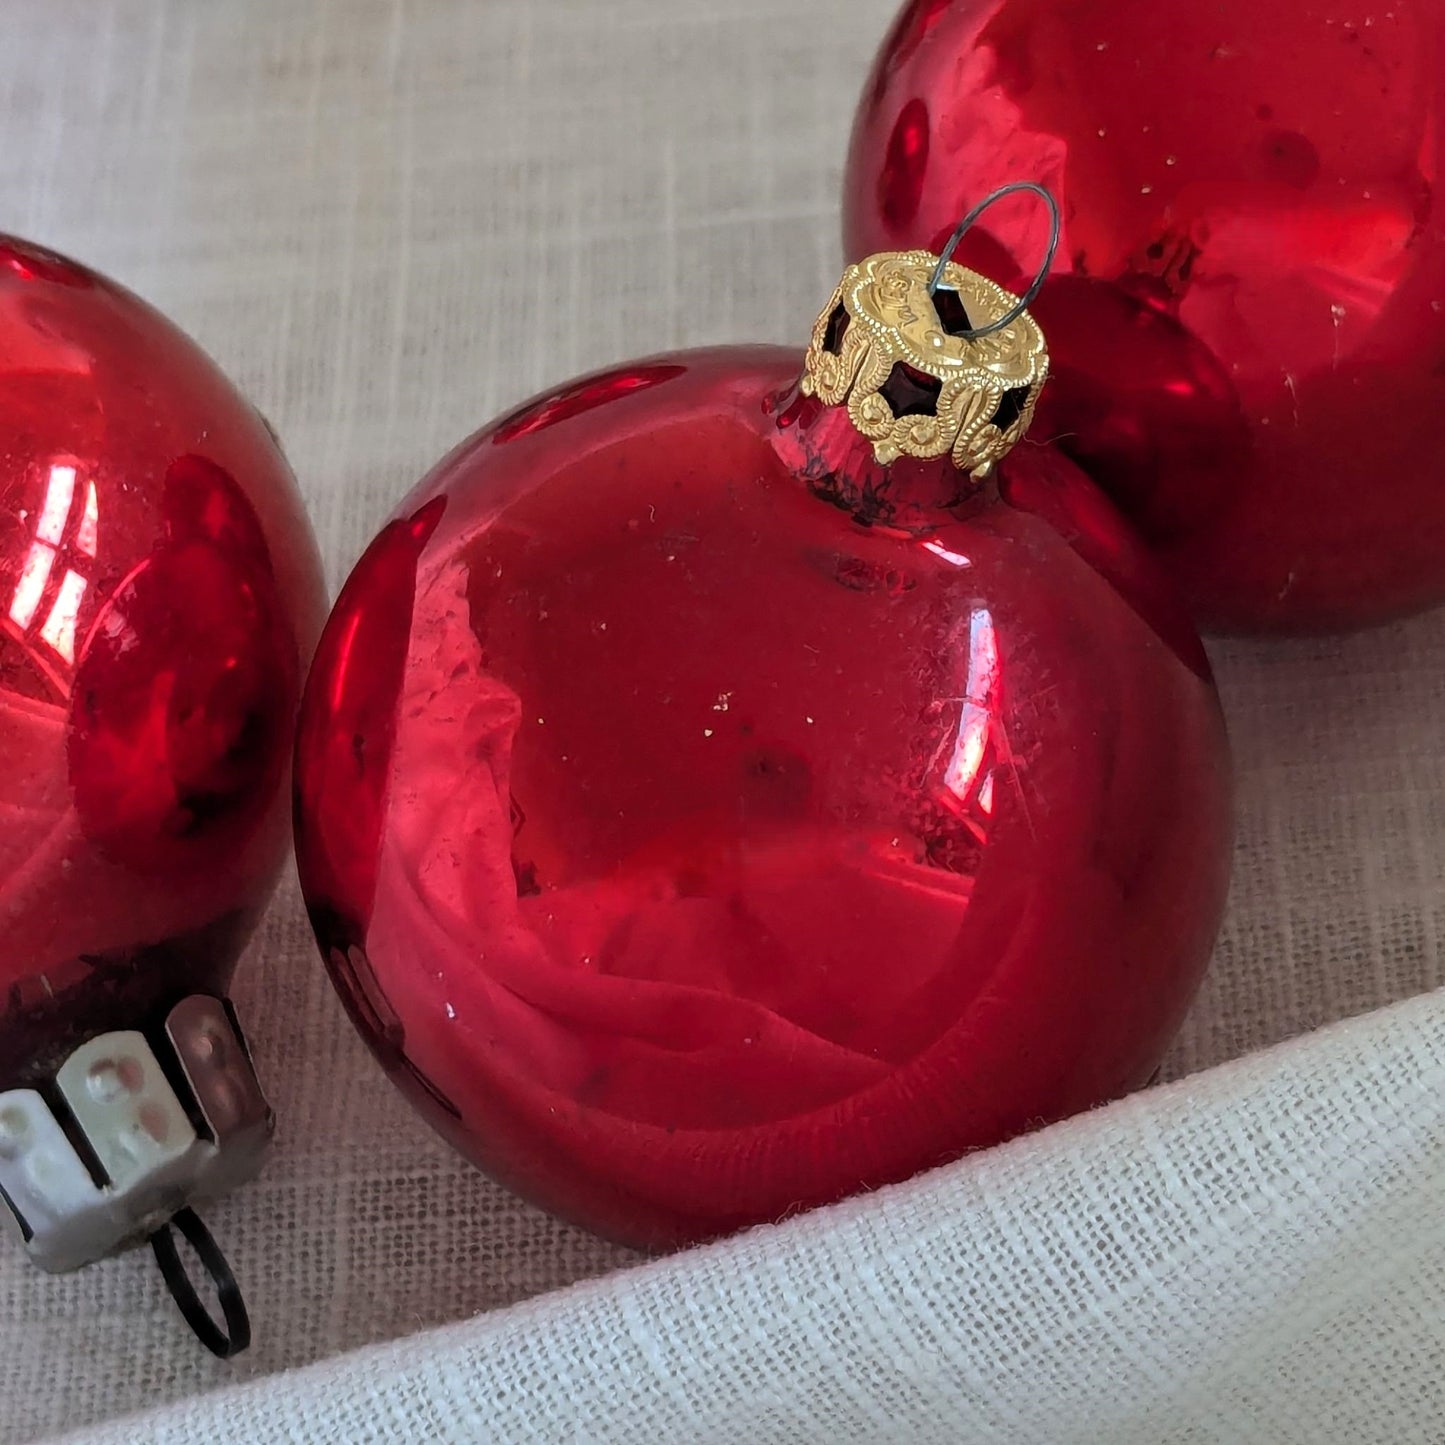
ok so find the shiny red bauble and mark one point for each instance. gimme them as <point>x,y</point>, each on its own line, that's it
<point>159,592</point>
<point>1247,318</point>
<point>704,822</point>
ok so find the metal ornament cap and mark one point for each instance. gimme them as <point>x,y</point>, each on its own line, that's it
<point>129,1132</point>
<point>915,384</point>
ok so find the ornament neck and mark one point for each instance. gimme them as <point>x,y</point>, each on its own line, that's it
<point>819,444</point>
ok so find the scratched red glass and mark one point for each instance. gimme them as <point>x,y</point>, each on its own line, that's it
<point>1247,318</point>
<point>692,853</point>
<point>158,590</point>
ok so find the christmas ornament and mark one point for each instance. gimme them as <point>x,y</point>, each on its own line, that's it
<point>159,590</point>
<point>721,790</point>
<point>1249,311</point>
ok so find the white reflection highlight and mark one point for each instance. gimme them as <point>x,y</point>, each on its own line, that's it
<point>59,494</point>
<point>87,536</point>
<point>31,587</point>
<point>939,550</point>
<point>975,721</point>
<point>59,629</point>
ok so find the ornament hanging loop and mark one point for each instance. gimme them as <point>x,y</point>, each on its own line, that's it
<point>1056,223</point>
<point>236,1337</point>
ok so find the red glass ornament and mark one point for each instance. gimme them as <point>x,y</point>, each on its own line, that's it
<point>1248,313</point>
<point>703,822</point>
<point>159,589</point>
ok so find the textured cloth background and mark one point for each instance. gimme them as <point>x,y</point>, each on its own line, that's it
<point>390,218</point>
<point>1257,1259</point>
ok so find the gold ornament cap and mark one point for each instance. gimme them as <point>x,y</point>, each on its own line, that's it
<point>932,359</point>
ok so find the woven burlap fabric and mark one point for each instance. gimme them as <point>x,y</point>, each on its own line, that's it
<point>390,218</point>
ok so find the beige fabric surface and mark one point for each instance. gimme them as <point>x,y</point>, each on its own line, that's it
<point>390,218</point>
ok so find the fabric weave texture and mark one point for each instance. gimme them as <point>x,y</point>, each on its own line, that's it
<point>388,220</point>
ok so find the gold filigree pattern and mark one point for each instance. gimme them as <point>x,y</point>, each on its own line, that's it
<point>969,397</point>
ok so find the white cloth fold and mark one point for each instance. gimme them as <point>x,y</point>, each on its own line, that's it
<point>1257,1254</point>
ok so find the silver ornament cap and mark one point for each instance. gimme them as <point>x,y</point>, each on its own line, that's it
<point>129,1133</point>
